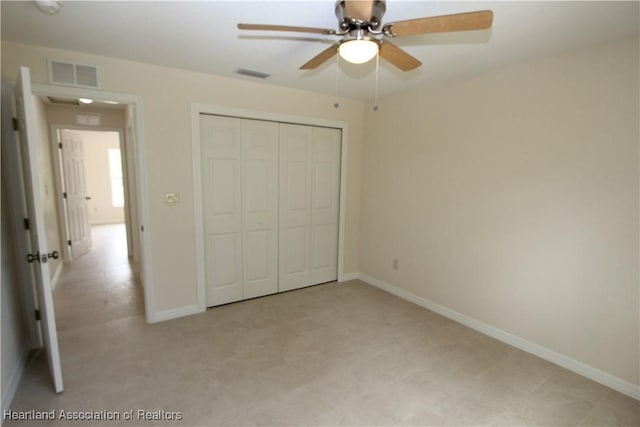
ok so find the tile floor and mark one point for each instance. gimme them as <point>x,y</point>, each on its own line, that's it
<point>330,355</point>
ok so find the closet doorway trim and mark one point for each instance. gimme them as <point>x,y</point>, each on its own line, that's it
<point>198,109</point>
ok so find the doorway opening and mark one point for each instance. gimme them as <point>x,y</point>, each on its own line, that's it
<point>97,207</point>
<point>95,224</point>
<point>90,176</point>
<point>28,149</point>
<point>80,116</point>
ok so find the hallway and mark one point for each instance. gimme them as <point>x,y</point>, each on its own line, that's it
<point>100,286</point>
<point>98,295</point>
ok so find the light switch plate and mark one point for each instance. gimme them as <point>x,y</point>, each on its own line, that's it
<point>171,199</point>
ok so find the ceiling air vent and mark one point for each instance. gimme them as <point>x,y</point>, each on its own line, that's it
<point>251,73</point>
<point>69,74</point>
<point>63,101</point>
<point>88,119</point>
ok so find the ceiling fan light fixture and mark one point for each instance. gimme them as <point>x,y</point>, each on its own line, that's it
<point>358,51</point>
<point>49,7</point>
<point>360,23</point>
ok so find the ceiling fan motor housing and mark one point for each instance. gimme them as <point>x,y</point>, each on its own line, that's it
<point>348,23</point>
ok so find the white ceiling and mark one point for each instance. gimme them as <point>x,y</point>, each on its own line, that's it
<point>202,36</point>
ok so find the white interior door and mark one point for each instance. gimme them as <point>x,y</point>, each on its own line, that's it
<point>27,127</point>
<point>221,152</point>
<point>75,188</point>
<point>12,172</point>
<point>296,143</point>
<point>325,205</point>
<point>260,207</point>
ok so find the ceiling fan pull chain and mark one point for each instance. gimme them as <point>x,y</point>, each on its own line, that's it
<point>375,102</point>
<point>337,104</point>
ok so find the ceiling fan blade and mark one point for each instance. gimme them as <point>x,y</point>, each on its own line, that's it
<point>321,58</point>
<point>285,28</point>
<point>479,20</point>
<point>398,57</point>
<point>359,9</point>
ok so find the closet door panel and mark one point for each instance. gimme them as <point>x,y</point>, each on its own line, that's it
<point>221,185</point>
<point>271,206</point>
<point>325,205</point>
<point>297,243</point>
<point>260,207</point>
<point>295,205</point>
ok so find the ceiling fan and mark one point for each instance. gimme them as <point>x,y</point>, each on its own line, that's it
<point>364,36</point>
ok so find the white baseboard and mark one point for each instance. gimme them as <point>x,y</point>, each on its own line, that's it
<point>9,391</point>
<point>107,222</point>
<point>175,313</point>
<point>348,276</point>
<point>583,369</point>
<point>56,276</point>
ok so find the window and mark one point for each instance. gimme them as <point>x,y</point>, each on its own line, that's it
<point>115,172</point>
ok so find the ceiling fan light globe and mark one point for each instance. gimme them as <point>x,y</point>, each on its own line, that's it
<point>358,51</point>
<point>49,7</point>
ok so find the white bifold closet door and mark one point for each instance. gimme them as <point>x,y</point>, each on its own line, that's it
<point>240,203</point>
<point>271,196</point>
<point>309,205</point>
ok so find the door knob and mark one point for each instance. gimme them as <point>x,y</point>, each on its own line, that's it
<point>87,198</point>
<point>42,258</point>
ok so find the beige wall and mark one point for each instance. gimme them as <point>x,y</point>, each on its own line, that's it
<point>512,197</point>
<point>96,147</point>
<point>47,185</point>
<point>167,96</point>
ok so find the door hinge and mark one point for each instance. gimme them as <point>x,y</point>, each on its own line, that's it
<point>64,195</point>
<point>15,123</point>
<point>69,242</point>
<point>26,224</point>
<point>37,314</point>
<point>60,145</point>
<point>142,228</point>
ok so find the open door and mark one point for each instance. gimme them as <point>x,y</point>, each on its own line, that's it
<point>75,190</point>
<point>39,258</point>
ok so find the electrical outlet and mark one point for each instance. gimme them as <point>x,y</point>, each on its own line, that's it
<point>395,264</point>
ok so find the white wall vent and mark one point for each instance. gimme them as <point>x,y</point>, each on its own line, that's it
<point>88,119</point>
<point>70,74</point>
